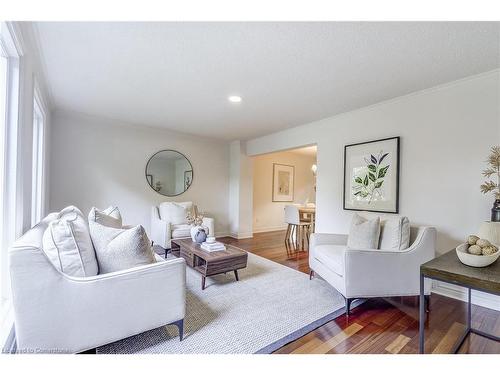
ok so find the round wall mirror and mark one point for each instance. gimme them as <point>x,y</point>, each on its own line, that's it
<point>169,173</point>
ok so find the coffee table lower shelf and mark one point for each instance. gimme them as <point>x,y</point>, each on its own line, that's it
<point>210,263</point>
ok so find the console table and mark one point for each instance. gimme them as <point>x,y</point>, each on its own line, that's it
<point>449,269</point>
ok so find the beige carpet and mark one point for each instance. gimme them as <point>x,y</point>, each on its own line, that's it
<point>270,306</point>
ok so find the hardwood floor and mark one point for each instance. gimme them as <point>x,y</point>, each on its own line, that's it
<point>380,325</point>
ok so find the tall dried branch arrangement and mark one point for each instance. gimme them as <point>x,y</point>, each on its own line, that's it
<point>493,170</point>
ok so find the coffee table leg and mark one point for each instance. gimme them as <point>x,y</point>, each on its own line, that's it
<point>236,275</point>
<point>203,283</point>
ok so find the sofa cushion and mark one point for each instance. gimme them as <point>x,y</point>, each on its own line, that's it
<point>332,256</point>
<point>67,244</point>
<point>181,230</point>
<point>394,233</point>
<point>119,249</point>
<point>109,217</point>
<point>364,233</point>
<point>175,213</point>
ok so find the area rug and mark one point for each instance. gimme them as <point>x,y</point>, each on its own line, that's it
<point>269,307</point>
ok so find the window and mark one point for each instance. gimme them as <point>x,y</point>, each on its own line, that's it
<point>3,120</point>
<point>38,161</point>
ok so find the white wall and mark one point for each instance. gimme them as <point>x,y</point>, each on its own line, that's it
<point>240,191</point>
<point>446,133</point>
<point>100,162</point>
<point>269,215</point>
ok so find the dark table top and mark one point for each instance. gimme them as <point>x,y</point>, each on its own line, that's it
<point>448,268</point>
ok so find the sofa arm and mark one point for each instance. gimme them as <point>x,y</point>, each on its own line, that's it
<point>210,224</point>
<point>83,313</point>
<point>160,230</point>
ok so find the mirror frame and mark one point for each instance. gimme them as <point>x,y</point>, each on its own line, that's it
<point>146,172</point>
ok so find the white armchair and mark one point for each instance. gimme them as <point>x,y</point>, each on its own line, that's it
<point>168,221</point>
<point>363,273</point>
<point>57,313</point>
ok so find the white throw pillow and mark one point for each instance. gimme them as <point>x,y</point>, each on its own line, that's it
<point>119,249</point>
<point>109,217</point>
<point>67,244</point>
<point>175,213</point>
<point>364,234</point>
<point>394,230</point>
<point>394,233</point>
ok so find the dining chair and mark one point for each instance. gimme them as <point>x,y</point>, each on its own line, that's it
<point>296,225</point>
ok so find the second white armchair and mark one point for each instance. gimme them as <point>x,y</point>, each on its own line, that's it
<point>168,221</point>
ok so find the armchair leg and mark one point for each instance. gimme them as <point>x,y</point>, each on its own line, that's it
<point>311,274</point>
<point>348,306</point>
<point>180,326</point>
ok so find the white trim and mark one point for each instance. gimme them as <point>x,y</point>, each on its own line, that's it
<point>269,229</point>
<point>241,236</point>
<point>489,301</point>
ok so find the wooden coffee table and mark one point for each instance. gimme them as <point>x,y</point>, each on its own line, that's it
<point>209,263</point>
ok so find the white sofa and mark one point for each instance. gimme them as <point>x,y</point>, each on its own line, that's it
<point>57,313</point>
<point>167,225</point>
<point>364,273</point>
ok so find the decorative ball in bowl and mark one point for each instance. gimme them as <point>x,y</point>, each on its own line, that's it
<point>477,252</point>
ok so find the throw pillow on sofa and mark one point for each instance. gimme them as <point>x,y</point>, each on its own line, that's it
<point>394,231</point>
<point>109,217</point>
<point>175,212</point>
<point>364,234</point>
<point>67,244</point>
<point>119,249</point>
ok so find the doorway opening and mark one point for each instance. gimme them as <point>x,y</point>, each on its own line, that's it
<point>284,195</point>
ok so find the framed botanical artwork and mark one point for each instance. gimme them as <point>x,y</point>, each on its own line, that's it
<point>371,176</point>
<point>283,182</point>
<point>188,179</point>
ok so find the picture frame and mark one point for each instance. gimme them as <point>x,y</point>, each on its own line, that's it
<point>188,179</point>
<point>283,182</point>
<point>149,178</point>
<point>371,176</point>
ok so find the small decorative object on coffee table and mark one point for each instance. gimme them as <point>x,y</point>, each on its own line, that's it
<point>488,186</point>
<point>198,232</point>
<point>210,263</point>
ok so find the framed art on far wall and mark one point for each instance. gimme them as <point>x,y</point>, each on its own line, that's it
<point>283,182</point>
<point>371,176</point>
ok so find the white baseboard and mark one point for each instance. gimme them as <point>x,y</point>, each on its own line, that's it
<point>269,229</point>
<point>489,301</point>
<point>240,236</point>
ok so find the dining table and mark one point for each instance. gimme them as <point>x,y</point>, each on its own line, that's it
<point>310,213</point>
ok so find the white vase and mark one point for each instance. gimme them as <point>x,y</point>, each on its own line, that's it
<point>194,230</point>
<point>490,230</point>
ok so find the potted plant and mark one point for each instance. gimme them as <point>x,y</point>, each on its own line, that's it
<point>493,170</point>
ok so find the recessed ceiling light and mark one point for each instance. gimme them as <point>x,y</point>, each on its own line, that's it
<point>234,99</point>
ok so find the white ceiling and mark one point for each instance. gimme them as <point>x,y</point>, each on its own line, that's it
<point>178,75</point>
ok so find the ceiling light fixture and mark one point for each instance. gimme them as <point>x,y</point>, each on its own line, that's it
<point>234,99</point>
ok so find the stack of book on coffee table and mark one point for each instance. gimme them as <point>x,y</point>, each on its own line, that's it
<point>213,246</point>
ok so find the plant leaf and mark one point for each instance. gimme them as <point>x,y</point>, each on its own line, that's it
<point>378,184</point>
<point>359,180</point>
<point>382,171</point>
<point>365,181</point>
<point>382,158</point>
<point>372,176</point>
<point>372,168</point>
<point>374,159</point>
<point>357,193</point>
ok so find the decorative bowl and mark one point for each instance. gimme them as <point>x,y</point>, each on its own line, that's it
<point>475,260</point>
<point>210,239</point>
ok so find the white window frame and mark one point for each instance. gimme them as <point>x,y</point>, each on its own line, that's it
<point>38,159</point>
<point>11,229</point>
